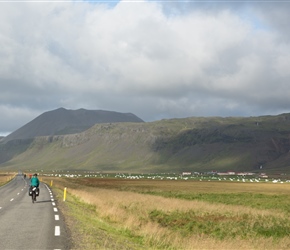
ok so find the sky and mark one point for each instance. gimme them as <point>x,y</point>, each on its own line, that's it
<point>155,59</point>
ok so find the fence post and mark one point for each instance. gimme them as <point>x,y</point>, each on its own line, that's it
<point>64,194</point>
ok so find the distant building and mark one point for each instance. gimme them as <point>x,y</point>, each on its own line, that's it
<point>227,173</point>
<point>245,173</point>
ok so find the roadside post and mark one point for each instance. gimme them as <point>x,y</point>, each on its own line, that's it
<point>64,194</point>
<point>51,182</point>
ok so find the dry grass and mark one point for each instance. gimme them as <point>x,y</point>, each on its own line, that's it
<point>4,178</point>
<point>130,210</point>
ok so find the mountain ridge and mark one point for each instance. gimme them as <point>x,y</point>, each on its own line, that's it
<point>65,121</point>
<point>187,144</point>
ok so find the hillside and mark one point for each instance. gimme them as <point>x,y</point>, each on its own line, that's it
<point>191,144</point>
<point>62,121</point>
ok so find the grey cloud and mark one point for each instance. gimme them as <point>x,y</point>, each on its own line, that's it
<point>152,59</point>
<point>276,18</point>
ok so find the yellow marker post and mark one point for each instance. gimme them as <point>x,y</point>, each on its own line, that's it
<point>51,182</point>
<point>64,194</point>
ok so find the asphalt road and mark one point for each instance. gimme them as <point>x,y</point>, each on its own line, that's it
<point>24,225</point>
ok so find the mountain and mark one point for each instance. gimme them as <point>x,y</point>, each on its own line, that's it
<point>62,121</point>
<point>174,145</point>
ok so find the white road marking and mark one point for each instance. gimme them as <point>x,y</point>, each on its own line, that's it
<point>0,207</point>
<point>18,194</point>
<point>57,231</point>
<point>56,217</point>
<point>12,199</point>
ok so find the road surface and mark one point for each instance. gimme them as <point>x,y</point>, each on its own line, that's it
<point>24,225</point>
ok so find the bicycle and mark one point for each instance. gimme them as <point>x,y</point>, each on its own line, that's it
<point>33,192</point>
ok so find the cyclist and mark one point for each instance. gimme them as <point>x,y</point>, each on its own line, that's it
<point>34,182</point>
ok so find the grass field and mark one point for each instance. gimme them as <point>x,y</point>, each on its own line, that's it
<point>111,213</point>
<point>5,177</point>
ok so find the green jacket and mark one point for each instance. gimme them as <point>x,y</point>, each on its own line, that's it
<point>34,181</point>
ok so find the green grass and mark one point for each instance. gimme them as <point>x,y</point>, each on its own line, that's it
<point>253,200</point>
<point>221,225</point>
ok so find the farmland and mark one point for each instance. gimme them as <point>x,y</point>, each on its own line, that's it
<point>117,211</point>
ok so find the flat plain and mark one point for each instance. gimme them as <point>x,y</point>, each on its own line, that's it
<point>121,213</point>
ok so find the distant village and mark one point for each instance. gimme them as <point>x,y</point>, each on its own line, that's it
<point>228,173</point>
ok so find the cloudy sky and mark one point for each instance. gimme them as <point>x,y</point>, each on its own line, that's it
<point>156,59</point>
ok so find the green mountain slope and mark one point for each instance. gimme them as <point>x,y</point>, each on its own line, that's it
<point>191,144</point>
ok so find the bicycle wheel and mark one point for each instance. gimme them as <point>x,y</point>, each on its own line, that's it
<point>33,197</point>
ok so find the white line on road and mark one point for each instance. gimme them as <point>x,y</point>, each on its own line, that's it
<point>53,203</point>
<point>55,209</point>
<point>18,194</point>
<point>57,231</point>
<point>12,199</point>
<point>56,217</point>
